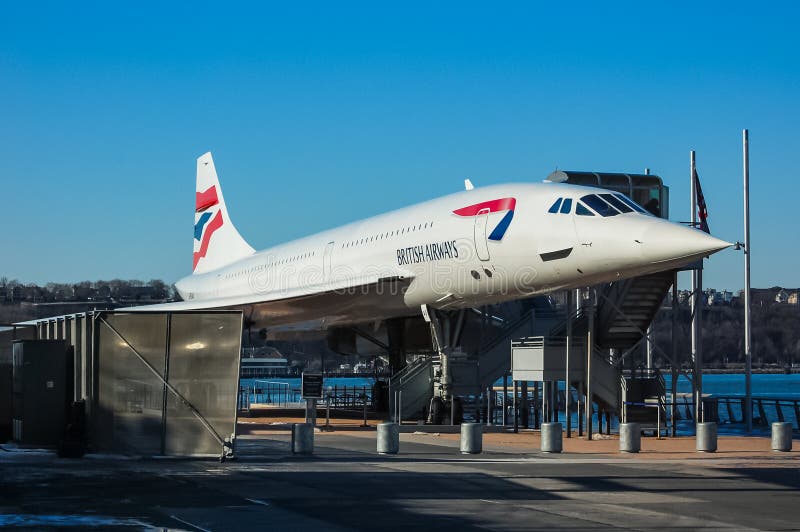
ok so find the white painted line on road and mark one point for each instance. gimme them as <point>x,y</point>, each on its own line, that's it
<point>190,524</point>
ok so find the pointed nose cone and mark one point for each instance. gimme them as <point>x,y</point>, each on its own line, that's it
<point>669,242</point>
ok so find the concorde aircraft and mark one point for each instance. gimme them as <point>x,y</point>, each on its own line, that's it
<point>479,246</point>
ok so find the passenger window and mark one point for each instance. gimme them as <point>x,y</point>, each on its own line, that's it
<point>567,206</point>
<point>555,206</point>
<point>580,210</point>
<point>616,203</point>
<point>601,207</point>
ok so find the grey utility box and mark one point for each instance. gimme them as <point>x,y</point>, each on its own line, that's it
<point>541,358</point>
<point>42,390</point>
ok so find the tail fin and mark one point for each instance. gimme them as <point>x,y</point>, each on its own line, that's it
<point>216,240</point>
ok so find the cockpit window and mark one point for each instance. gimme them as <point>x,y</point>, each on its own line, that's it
<point>601,207</point>
<point>632,204</point>
<point>581,210</point>
<point>555,206</point>
<point>616,203</point>
<point>566,207</point>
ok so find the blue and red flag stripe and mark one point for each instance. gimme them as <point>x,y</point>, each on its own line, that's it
<point>485,207</point>
<point>215,224</point>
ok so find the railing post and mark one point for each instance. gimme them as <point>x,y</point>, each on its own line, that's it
<point>489,406</point>
<point>328,413</point>
<point>365,411</point>
<point>514,408</point>
<point>658,422</point>
<point>505,397</point>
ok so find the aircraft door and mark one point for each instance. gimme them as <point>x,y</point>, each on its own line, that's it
<point>480,236</point>
<point>586,228</point>
<point>326,261</point>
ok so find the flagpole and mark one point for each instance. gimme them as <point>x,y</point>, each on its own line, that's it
<point>748,355</point>
<point>697,387</point>
<point>649,343</point>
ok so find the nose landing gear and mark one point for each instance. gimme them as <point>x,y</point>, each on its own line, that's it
<point>443,412</point>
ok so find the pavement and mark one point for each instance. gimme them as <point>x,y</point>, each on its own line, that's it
<point>429,485</point>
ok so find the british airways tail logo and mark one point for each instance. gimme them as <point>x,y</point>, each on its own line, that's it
<point>486,207</point>
<point>207,223</point>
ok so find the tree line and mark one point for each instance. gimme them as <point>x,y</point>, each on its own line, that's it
<point>775,335</point>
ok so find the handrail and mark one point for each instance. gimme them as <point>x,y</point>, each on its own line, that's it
<point>409,371</point>
<point>575,315</point>
<point>503,333</point>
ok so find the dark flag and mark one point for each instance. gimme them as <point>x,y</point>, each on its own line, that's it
<point>702,211</point>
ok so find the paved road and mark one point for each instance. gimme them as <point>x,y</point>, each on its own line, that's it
<point>346,486</point>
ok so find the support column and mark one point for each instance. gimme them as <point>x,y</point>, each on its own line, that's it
<point>555,401</point>
<point>524,407</point>
<point>567,409</point>
<point>395,338</point>
<point>589,345</point>
<point>673,413</point>
<point>505,398</point>
<point>515,409</point>
<point>545,404</point>
<point>77,365</point>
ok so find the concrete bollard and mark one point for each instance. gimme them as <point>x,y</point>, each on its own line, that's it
<point>302,438</point>
<point>388,438</point>
<point>706,437</point>
<point>630,438</point>
<point>781,436</point>
<point>551,437</point>
<point>471,438</point>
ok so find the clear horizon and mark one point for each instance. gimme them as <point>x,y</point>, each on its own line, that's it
<point>318,115</point>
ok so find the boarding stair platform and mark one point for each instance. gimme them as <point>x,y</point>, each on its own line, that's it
<point>474,371</point>
<point>542,358</point>
<point>624,311</point>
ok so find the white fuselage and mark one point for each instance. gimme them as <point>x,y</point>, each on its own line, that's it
<point>433,256</point>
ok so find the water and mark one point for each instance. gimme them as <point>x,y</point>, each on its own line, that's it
<point>286,391</point>
<point>764,385</point>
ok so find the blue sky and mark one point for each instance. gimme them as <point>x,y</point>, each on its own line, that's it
<point>322,113</point>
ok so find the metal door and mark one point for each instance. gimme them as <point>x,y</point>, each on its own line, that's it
<point>481,241</point>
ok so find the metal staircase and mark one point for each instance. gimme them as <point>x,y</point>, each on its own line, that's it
<point>605,382</point>
<point>494,355</point>
<point>412,387</point>
<point>471,374</point>
<point>626,308</point>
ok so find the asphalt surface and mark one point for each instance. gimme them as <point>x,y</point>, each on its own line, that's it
<point>345,485</point>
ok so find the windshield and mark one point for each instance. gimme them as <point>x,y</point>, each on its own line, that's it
<point>600,206</point>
